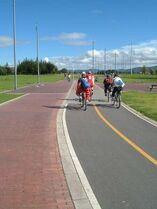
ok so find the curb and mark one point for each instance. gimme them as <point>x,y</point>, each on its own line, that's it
<point>138,114</point>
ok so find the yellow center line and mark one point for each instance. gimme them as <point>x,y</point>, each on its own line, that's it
<point>141,151</point>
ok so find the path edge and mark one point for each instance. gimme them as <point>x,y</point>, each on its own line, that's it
<point>79,187</point>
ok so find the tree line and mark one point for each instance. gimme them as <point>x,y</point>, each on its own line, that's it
<point>30,67</point>
<point>140,70</point>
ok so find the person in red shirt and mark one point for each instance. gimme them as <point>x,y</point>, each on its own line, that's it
<point>83,86</point>
<point>107,84</point>
<point>90,78</point>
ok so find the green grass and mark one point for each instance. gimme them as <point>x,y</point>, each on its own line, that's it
<point>134,78</point>
<point>145,103</point>
<point>7,82</point>
<point>6,97</point>
<point>139,78</point>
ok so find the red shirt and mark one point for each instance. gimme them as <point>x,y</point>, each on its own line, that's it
<point>107,81</point>
<point>90,78</point>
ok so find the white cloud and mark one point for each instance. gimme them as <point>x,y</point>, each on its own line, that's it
<point>46,59</point>
<point>65,36</point>
<point>77,43</point>
<point>74,36</point>
<point>71,39</point>
<point>142,54</point>
<point>6,41</point>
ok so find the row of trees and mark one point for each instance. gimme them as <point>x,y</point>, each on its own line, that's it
<point>141,70</point>
<point>146,70</point>
<point>5,70</point>
<point>30,67</point>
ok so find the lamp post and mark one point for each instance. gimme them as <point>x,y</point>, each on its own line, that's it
<point>14,40</point>
<point>131,59</point>
<point>104,61</point>
<point>93,59</point>
<point>73,73</point>
<point>115,62</point>
<point>37,43</point>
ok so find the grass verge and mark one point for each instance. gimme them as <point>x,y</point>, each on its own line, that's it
<point>7,82</point>
<point>134,78</point>
<point>6,97</point>
<point>145,103</point>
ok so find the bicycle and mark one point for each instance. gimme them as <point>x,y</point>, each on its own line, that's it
<point>116,100</point>
<point>83,101</point>
<point>91,93</point>
<point>108,93</point>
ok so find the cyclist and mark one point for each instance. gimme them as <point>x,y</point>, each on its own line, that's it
<point>83,86</point>
<point>69,77</point>
<point>118,84</point>
<point>90,78</point>
<point>107,84</point>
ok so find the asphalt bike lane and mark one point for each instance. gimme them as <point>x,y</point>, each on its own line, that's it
<point>120,173</point>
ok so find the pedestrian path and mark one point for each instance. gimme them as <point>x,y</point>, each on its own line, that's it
<point>31,172</point>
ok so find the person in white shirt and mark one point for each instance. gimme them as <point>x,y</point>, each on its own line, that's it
<point>118,84</point>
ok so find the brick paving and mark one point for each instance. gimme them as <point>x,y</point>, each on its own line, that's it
<point>31,173</point>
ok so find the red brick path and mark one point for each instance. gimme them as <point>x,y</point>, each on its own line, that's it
<point>31,173</point>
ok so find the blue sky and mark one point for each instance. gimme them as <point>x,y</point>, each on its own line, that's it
<point>67,28</point>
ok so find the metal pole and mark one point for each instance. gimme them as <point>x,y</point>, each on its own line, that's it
<point>73,73</point>
<point>14,35</point>
<point>131,59</point>
<point>37,39</point>
<point>93,56</point>
<point>115,62</point>
<point>104,61</point>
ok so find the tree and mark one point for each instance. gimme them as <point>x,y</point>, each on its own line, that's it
<point>151,72</point>
<point>30,67</point>
<point>63,70</point>
<point>144,69</point>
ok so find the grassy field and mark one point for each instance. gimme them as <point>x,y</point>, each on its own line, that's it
<point>6,97</point>
<point>134,78</point>
<point>139,78</point>
<point>146,103</point>
<point>7,82</point>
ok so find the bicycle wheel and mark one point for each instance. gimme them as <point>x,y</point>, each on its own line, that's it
<point>91,94</point>
<point>117,100</point>
<point>84,102</point>
<point>108,96</point>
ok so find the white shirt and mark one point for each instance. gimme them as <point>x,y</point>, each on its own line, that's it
<point>117,81</point>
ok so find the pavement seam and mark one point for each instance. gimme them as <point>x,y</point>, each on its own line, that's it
<point>81,192</point>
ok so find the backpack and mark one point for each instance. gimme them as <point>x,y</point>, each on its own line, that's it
<point>84,84</point>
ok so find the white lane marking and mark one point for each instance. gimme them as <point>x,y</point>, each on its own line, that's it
<point>79,169</point>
